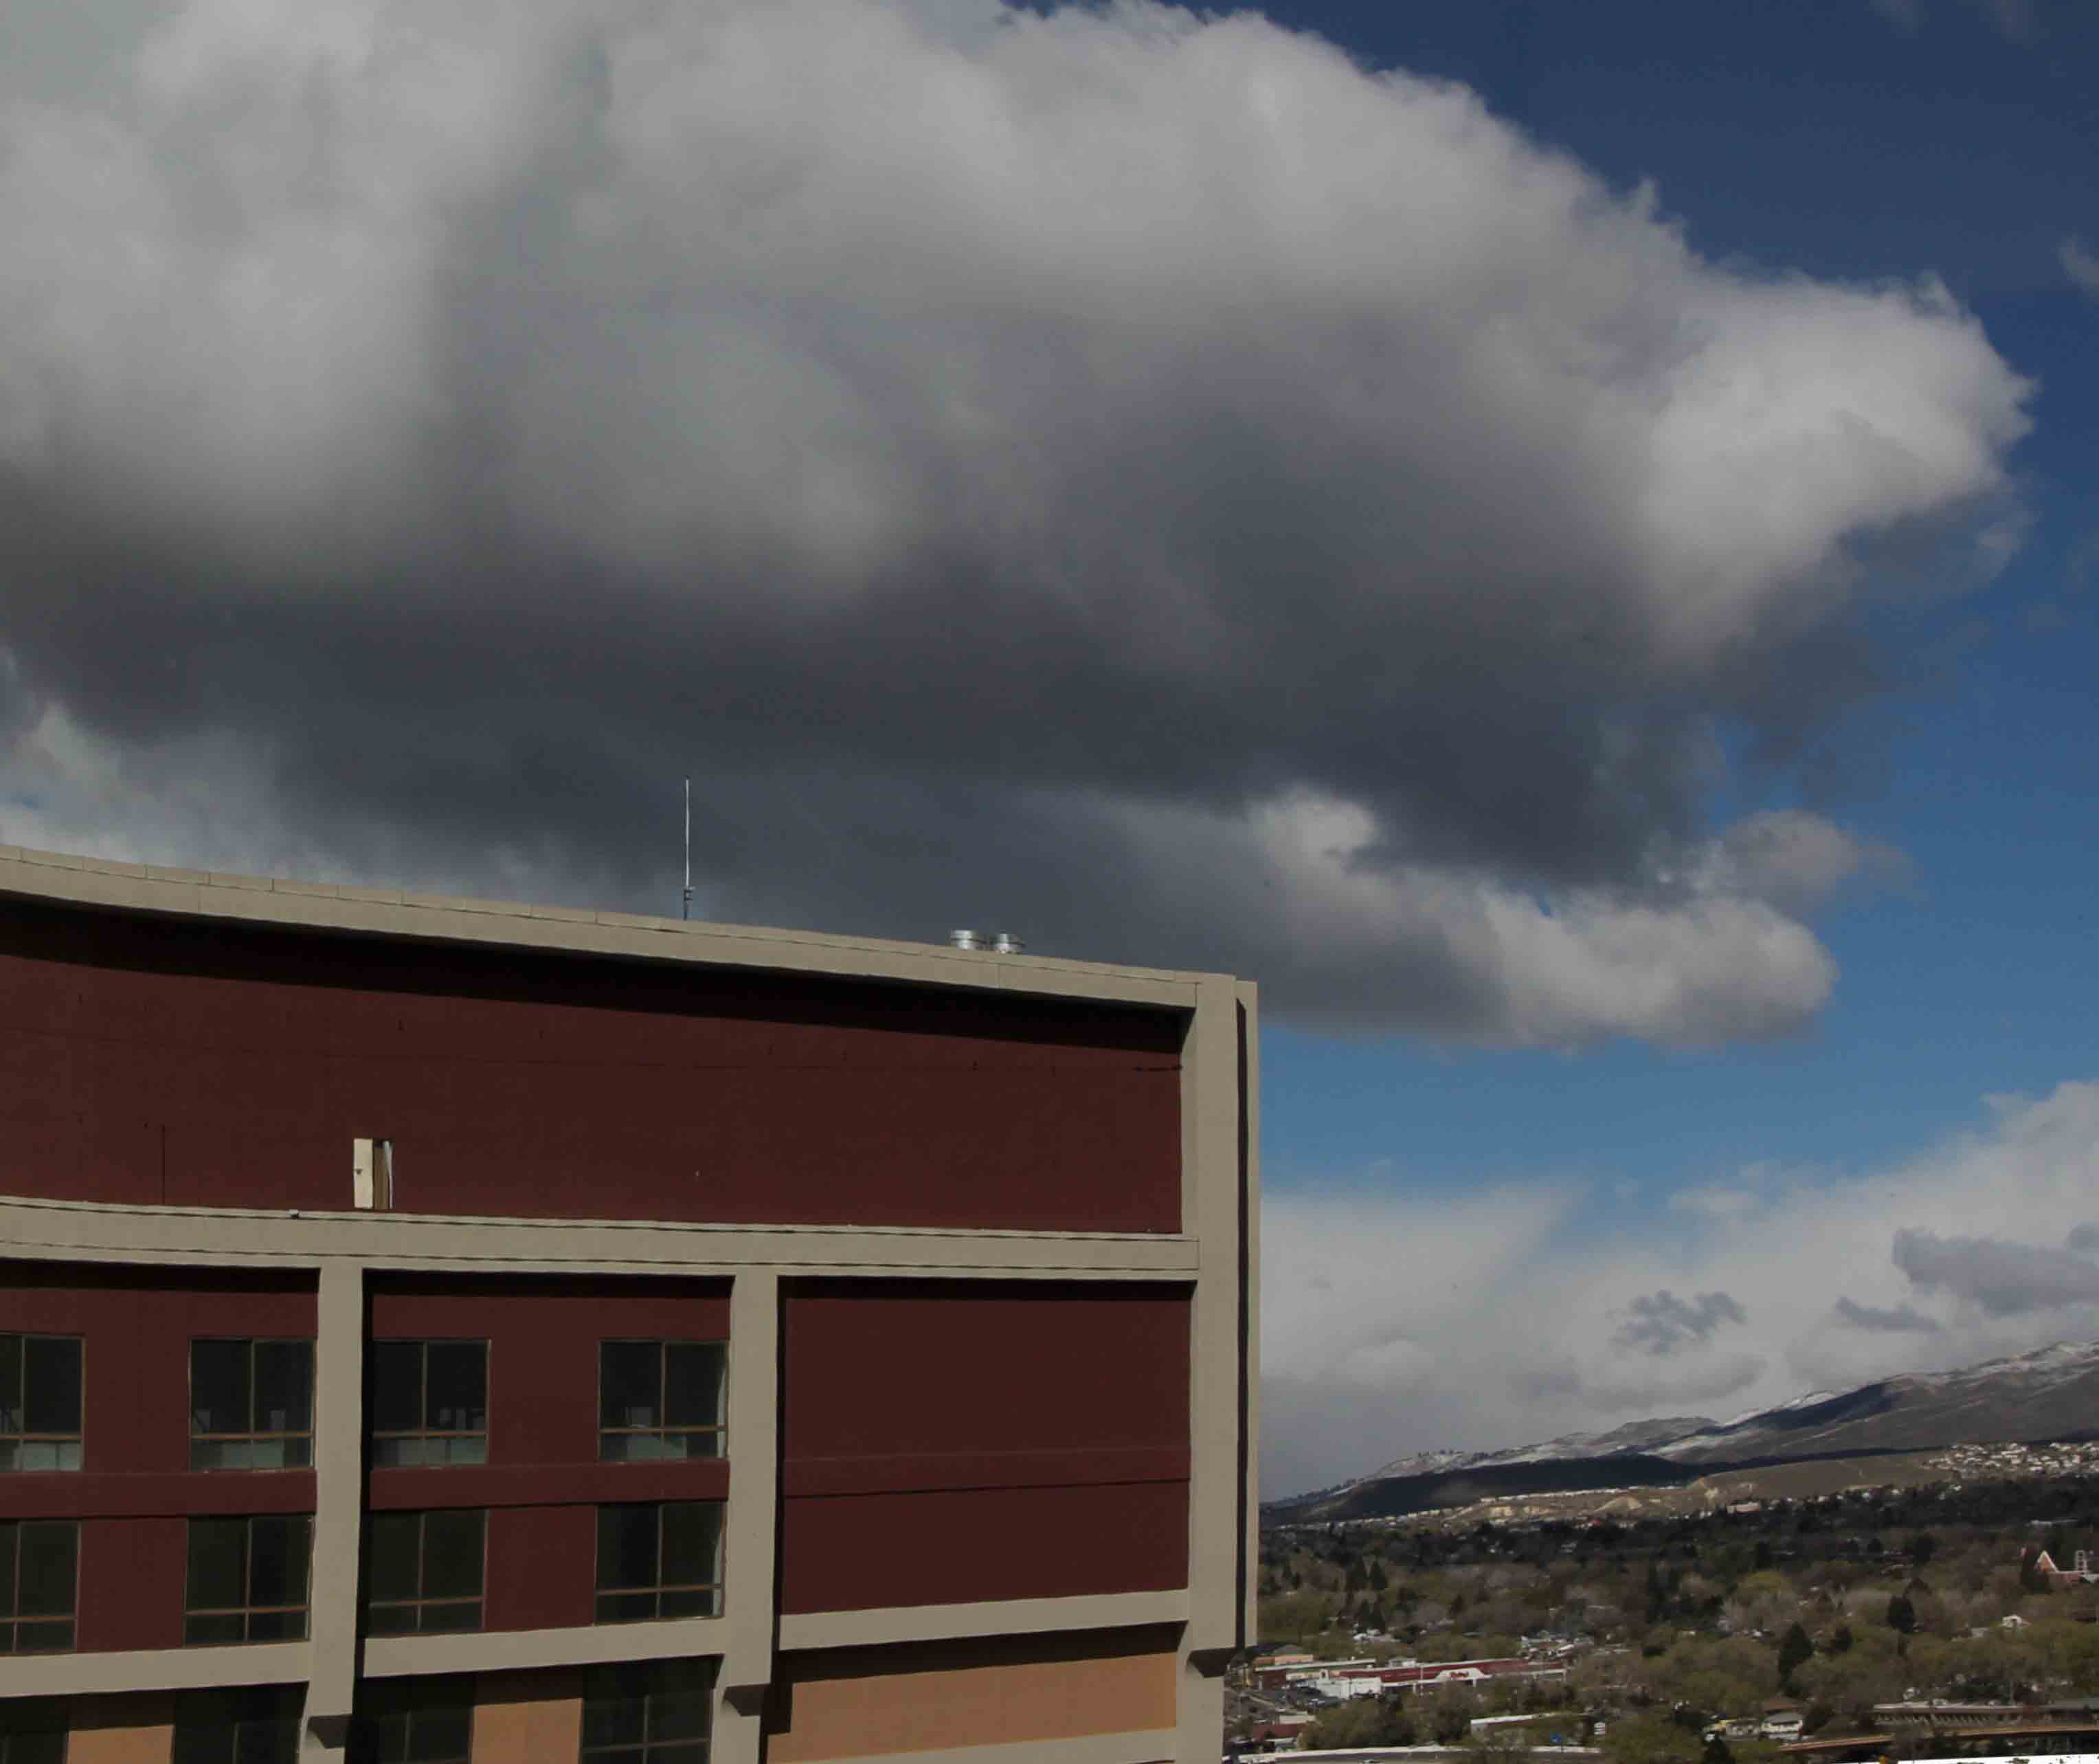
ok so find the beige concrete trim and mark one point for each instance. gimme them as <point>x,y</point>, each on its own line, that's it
<point>753,1517</point>
<point>1210,1092</point>
<point>1250,1001</point>
<point>225,1236</point>
<point>1015,1616</point>
<point>1202,1733</point>
<point>396,1656</point>
<point>338,1489</point>
<point>90,882</point>
<point>160,1669</point>
<point>1094,1749</point>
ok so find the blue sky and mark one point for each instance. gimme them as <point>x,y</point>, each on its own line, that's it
<point>1559,540</point>
<point>1856,143</point>
<point>1834,140</point>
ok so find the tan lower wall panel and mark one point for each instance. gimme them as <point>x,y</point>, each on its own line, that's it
<point>831,1707</point>
<point>120,1730</point>
<point>1096,1749</point>
<point>534,1717</point>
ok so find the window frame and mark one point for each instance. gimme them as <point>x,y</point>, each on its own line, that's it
<point>77,1439</point>
<point>384,1702</point>
<point>32,1718</point>
<point>254,1435</point>
<point>246,1705</point>
<point>423,1601</point>
<point>423,1345</point>
<point>248,1610</point>
<point>656,1591</point>
<point>716,1434</point>
<point>659,1679</point>
<point>12,1618</point>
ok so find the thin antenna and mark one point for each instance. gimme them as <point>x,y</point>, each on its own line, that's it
<point>685,910</point>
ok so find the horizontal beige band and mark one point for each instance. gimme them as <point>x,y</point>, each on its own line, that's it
<point>160,1669</point>
<point>224,1236</point>
<point>1015,1616</point>
<point>1158,1747</point>
<point>508,1650</point>
<point>94,881</point>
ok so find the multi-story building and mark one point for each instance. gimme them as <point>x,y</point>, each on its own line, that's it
<point>439,1330</point>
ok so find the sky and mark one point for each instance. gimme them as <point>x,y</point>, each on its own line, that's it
<point>1560,541</point>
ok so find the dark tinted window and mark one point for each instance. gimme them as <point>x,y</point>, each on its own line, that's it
<point>33,1730</point>
<point>40,1402</point>
<point>248,1726</point>
<point>39,1578</point>
<point>661,1399</point>
<point>429,1402</point>
<point>658,1713</point>
<point>247,1579</point>
<point>424,1571</point>
<point>414,1721</point>
<point>251,1405</point>
<point>658,1560</point>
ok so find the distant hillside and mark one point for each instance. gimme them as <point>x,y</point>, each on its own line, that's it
<point>2050,1394</point>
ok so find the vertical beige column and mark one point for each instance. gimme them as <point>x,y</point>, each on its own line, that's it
<point>753,1482</point>
<point>338,1508</point>
<point>1209,1128</point>
<point>1249,1003</point>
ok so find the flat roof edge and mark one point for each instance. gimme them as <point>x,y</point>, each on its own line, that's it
<point>62,878</point>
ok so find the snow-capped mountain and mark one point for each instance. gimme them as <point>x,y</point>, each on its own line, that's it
<point>2052,1393</point>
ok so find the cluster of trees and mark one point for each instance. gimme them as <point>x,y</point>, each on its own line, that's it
<point>1839,1607</point>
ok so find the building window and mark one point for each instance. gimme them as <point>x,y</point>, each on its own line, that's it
<point>414,1721</point>
<point>251,1405</point>
<point>39,1402</point>
<point>429,1402</point>
<point>659,1559</point>
<point>33,1730</point>
<point>661,1399</point>
<point>659,1713</point>
<point>250,1727</point>
<point>39,1573</point>
<point>247,1579</point>
<point>425,1571</point>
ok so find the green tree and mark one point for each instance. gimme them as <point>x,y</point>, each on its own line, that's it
<point>1450,1720</point>
<point>1902,1614</point>
<point>1794,1651</point>
<point>1651,1739</point>
<point>1360,1720</point>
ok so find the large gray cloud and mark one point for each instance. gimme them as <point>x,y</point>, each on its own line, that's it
<point>1893,1319</point>
<point>1143,480</point>
<point>1661,1324</point>
<point>2005,1279</point>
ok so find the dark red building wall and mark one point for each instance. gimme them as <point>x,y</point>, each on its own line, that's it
<point>542,1567</point>
<point>542,1481</point>
<point>147,1060</point>
<point>136,1488</point>
<point>949,1444</point>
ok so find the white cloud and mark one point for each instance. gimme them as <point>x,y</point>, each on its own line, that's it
<point>1528,1322</point>
<point>1219,505</point>
<point>2080,265</point>
<point>2013,20</point>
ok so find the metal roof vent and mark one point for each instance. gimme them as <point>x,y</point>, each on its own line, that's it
<point>966,939</point>
<point>1005,943</point>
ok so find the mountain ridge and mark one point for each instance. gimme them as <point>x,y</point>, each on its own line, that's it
<point>2051,1392</point>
